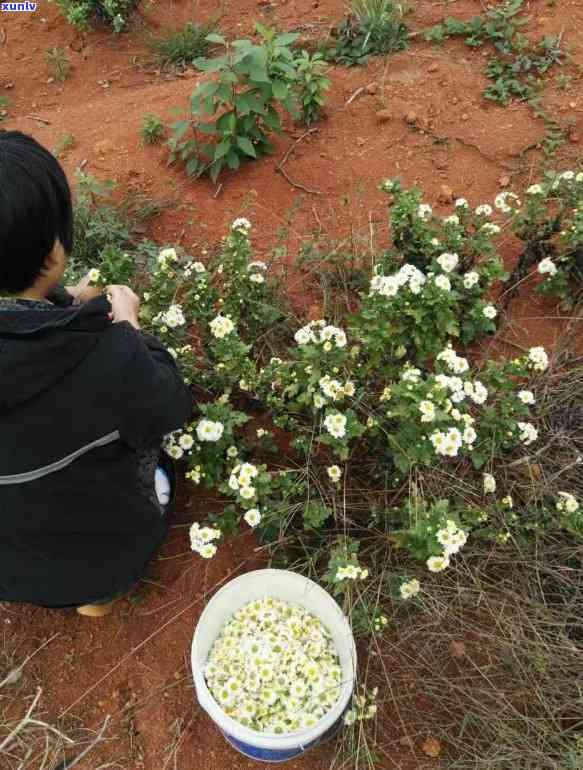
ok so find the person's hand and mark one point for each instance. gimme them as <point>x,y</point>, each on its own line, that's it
<point>125,305</point>
<point>83,292</point>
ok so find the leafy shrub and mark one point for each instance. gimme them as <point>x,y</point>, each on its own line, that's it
<point>373,28</point>
<point>378,395</point>
<point>311,84</point>
<point>516,68</point>
<point>82,13</point>
<point>152,129</point>
<point>184,46</point>
<point>250,81</point>
<point>102,230</point>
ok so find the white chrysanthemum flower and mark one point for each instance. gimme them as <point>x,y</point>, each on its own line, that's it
<point>424,211</point>
<point>484,210</point>
<point>409,588</point>
<point>221,326</point>
<point>208,430</point>
<point>410,374</point>
<point>303,336</point>
<point>198,267</point>
<point>247,492</point>
<point>386,394</point>
<point>501,201</point>
<point>491,228</point>
<point>528,433</point>
<point>94,275</point>
<point>535,189</point>
<point>452,220</point>
<point>437,563</point>
<point>469,435</point>
<point>461,203</point>
<point>526,396</point>
<point>349,389</point>
<point>256,278</point>
<point>538,358</point>
<point>232,451</point>
<point>334,473</point>
<point>567,503</point>
<point>489,483</point>
<point>257,264</point>
<point>448,262</point>
<point>319,401</point>
<point>471,279</point>
<point>166,255</point>
<point>427,409</point>
<point>442,282</point>
<point>336,425</point>
<point>489,312</point>
<point>385,285</point>
<point>186,441</point>
<point>480,393</point>
<point>175,452</point>
<point>241,224</point>
<point>253,517</point>
<point>567,175</point>
<point>547,267</point>
<point>207,551</point>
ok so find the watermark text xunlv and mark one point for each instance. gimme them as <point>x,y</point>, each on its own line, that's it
<point>26,7</point>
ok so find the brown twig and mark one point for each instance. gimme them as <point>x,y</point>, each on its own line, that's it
<point>283,161</point>
<point>354,95</point>
<point>39,119</point>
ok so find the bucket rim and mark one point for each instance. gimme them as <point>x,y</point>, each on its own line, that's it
<point>225,723</point>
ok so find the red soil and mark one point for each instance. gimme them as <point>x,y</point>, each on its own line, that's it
<point>134,664</point>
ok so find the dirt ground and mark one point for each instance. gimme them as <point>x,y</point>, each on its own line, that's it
<point>134,665</point>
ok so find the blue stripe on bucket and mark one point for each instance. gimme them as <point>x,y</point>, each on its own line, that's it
<point>279,755</point>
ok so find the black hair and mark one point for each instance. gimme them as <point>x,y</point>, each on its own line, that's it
<point>35,210</point>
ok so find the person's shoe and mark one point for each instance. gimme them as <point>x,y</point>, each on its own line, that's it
<point>95,610</point>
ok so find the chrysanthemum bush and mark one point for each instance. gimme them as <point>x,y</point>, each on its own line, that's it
<point>361,402</point>
<point>377,449</point>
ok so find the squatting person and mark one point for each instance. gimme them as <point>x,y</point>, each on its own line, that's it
<point>85,400</point>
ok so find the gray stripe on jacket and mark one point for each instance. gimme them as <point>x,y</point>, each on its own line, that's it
<point>21,478</point>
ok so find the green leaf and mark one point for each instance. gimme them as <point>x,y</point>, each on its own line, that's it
<point>214,38</point>
<point>233,161</point>
<point>280,89</point>
<point>246,146</point>
<point>222,149</point>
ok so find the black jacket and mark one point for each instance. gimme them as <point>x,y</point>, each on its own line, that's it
<point>74,524</point>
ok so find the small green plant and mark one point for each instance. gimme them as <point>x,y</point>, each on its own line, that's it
<point>564,82</point>
<point>4,105</point>
<point>152,129</point>
<point>65,142</point>
<point>60,65</point>
<point>250,80</point>
<point>83,13</point>
<point>517,66</point>
<point>373,28</point>
<point>311,84</point>
<point>182,47</point>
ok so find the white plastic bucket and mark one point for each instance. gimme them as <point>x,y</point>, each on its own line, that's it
<point>290,587</point>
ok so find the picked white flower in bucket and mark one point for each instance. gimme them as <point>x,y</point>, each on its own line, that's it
<point>274,667</point>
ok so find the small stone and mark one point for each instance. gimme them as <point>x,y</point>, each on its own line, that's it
<point>446,194</point>
<point>50,80</point>
<point>454,100</point>
<point>411,118</point>
<point>573,105</point>
<point>457,649</point>
<point>383,116</point>
<point>371,88</point>
<point>433,67</point>
<point>431,747</point>
<point>360,141</point>
<point>465,116</point>
<point>504,181</point>
<point>103,147</point>
<point>8,86</point>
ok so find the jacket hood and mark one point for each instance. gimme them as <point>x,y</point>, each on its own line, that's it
<point>40,347</point>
